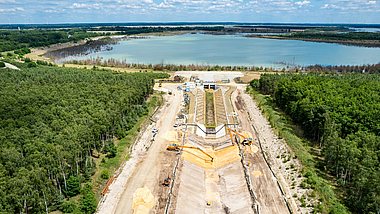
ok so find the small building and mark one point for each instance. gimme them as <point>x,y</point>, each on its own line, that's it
<point>209,84</point>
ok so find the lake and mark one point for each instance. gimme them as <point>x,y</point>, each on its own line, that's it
<point>233,50</point>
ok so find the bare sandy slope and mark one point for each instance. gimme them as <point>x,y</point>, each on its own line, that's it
<point>264,187</point>
<point>273,147</point>
<point>145,174</point>
<point>142,168</point>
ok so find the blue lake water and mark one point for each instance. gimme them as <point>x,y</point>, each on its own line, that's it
<point>236,50</point>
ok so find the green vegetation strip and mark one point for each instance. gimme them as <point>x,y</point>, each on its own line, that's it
<point>210,110</point>
<point>327,197</point>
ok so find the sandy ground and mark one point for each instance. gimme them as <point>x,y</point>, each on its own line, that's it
<point>211,75</point>
<point>273,147</point>
<point>198,182</point>
<point>248,77</point>
<point>142,168</point>
<point>265,187</point>
<point>7,65</point>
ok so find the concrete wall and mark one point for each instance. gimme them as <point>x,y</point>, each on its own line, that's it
<point>222,132</point>
<point>200,132</point>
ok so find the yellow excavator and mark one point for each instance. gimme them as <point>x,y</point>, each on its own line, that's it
<point>160,85</point>
<point>246,141</point>
<point>175,147</point>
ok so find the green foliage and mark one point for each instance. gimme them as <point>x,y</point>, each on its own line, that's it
<point>110,148</point>
<point>2,64</point>
<point>32,65</point>
<point>40,62</point>
<point>105,174</point>
<point>22,40</point>
<point>340,114</point>
<point>51,120</point>
<point>88,202</point>
<point>22,51</point>
<point>337,36</point>
<point>73,186</point>
<point>255,83</point>
<point>69,207</point>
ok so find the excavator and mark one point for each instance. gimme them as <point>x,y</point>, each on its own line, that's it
<point>160,85</point>
<point>175,147</point>
<point>246,141</point>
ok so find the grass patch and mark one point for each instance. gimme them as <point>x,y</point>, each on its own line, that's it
<point>322,184</point>
<point>210,111</point>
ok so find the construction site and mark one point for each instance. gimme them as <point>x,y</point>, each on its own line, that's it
<point>204,157</point>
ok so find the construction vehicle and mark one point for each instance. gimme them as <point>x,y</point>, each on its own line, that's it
<point>175,147</point>
<point>166,181</point>
<point>246,141</point>
<point>160,85</point>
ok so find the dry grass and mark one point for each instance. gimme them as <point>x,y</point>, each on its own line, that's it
<point>249,77</point>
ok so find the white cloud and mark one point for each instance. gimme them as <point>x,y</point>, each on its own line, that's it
<point>12,9</point>
<point>50,11</point>
<point>371,2</point>
<point>76,5</point>
<point>7,1</point>
<point>302,3</point>
<point>88,6</point>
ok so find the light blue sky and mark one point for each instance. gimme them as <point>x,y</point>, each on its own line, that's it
<point>284,11</point>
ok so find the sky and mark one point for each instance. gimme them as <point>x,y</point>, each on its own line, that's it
<point>252,11</point>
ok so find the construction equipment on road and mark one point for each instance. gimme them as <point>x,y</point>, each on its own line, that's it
<point>160,85</point>
<point>246,141</point>
<point>175,147</point>
<point>166,181</point>
<point>170,92</point>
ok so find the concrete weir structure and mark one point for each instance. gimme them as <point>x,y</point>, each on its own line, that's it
<point>213,178</point>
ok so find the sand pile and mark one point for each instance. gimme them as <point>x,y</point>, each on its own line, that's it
<point>222,158</point>
<point>251,149</point>
<point>143,201</point>
<point>170,136</point>
<point>257,173</point>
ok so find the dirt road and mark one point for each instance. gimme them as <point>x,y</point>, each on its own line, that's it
<point>148,167</point>
<point>145,175</point>
<point>264,186</point>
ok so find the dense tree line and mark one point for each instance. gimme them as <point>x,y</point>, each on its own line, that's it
<point>161,67</point>
<point>337,36</point>
<point>52,121</point>
<point>12,40</point>
<point>369,68</point>
<point>138,30</point>
<point>341,113</point>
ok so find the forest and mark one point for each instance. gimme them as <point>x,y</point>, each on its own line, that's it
<point>340,114</point>
<point>13,40</point>
<point>337,36</point>
<point>361,39</point>
<point>53,121</point>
